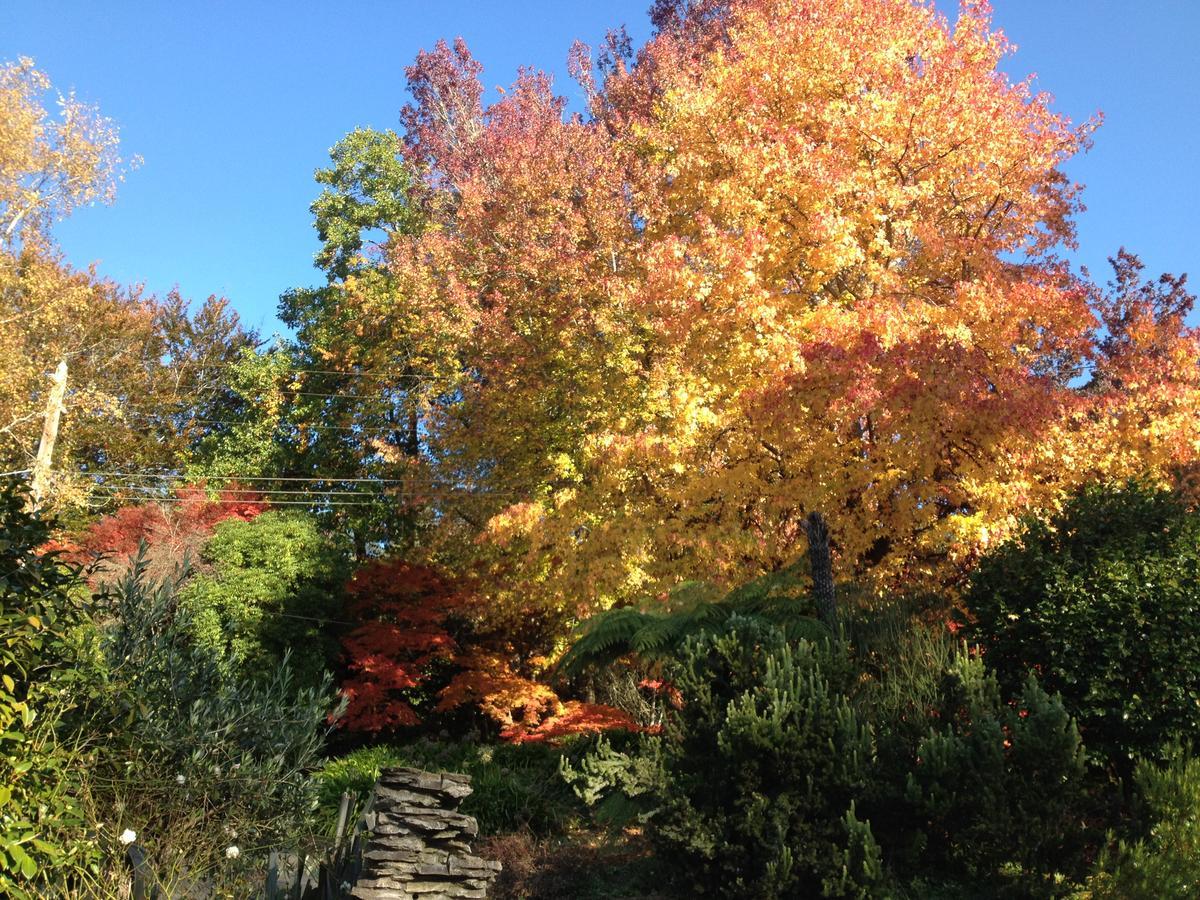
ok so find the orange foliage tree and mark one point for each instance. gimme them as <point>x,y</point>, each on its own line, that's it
<point>423,648</point>
<point>801,255</point>
<point>409,615</point>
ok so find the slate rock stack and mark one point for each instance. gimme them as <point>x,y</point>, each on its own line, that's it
<point>419,844</point>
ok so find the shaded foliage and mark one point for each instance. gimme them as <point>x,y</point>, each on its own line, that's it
<point>1100,600</point>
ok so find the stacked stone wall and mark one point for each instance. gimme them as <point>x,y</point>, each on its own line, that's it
<point>419,845</point>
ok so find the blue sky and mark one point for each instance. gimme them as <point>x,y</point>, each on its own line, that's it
<point>232,105</point>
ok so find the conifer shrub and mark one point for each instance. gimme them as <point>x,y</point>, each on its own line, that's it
<point>1163,864</point>
<point>800,768</point>
<point>1101,601</point>
<point>754,779</point>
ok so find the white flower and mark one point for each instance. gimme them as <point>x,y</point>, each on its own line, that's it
<point>232,852</point>
<point>180,779</point>
<point>128,836</point>
<point>231,832</point>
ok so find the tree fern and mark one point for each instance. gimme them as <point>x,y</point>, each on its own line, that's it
<point>657,630</point>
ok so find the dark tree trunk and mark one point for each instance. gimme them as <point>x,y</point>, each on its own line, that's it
<point>821,562</point>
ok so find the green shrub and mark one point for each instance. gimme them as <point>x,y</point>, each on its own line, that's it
<point>1102,601</point>
<point>516,786</point>
<point>266,586</point>
<point>656,632</point>
<point>761,768</point>
<point>189,753</point>
<point>1165,865</point>
<point>40,834</point>
<point>801,769</point>
<point>996,785</point>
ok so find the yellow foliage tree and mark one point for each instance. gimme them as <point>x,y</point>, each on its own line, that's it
<point>141,370</point>
<point>802,256</point>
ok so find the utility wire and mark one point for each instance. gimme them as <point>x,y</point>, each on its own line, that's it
<point>182,477</point>
<point>356,429</point>
<point>408,485</point>
<point>349,373</point>
<point>271,503</point>
<point>257,492</point>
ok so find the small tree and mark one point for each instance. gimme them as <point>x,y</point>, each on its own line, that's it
<point>408,614</point>
<point>267,586</point>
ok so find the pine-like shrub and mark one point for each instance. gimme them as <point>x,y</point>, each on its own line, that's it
<point>794,768</point>
<point>761,768</point>
<point>997,785</point>
<point>1165,864</point>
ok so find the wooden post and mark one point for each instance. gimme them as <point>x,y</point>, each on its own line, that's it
<point>45,453</point>
<point>272,892</point>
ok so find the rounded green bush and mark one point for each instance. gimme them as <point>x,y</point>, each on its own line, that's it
<point>1102,601</point>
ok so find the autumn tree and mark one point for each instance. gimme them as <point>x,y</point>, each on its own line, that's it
<point>172,531</point>
<point>425,648</point>
<point>361,389</point>
<point>798,257</point>
<point>146,375</point>
<point>409,617</point>
<point>49,165</point>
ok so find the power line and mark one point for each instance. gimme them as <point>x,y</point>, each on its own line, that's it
<point>309,503</point>
<point>251,494</point>
<point>408,485</point>
<point>182,477</point>
<point>121,481</point>
<point>356,429</point>
<point>349,373</point>
<point>258,492</point>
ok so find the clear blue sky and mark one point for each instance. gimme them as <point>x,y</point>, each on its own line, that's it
<point>233,104</point>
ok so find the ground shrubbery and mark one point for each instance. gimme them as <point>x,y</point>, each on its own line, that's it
<point>776,757</point>
<point>117,721</point>
<point>1164,864</point>
<point>188,753</point>
<point>769,779</point>
<point>516,786</point>
<point>1102,600</point>
<point>40,820</point>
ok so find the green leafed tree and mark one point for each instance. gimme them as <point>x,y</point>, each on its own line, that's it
<point>265,587</point>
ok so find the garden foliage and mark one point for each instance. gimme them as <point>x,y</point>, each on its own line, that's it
<point>792,769</point>
<point>1101,601</point>
<point>40,609</point>
<point>264,586</point>
<point>190,750</point>
<point>1164,864</point>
